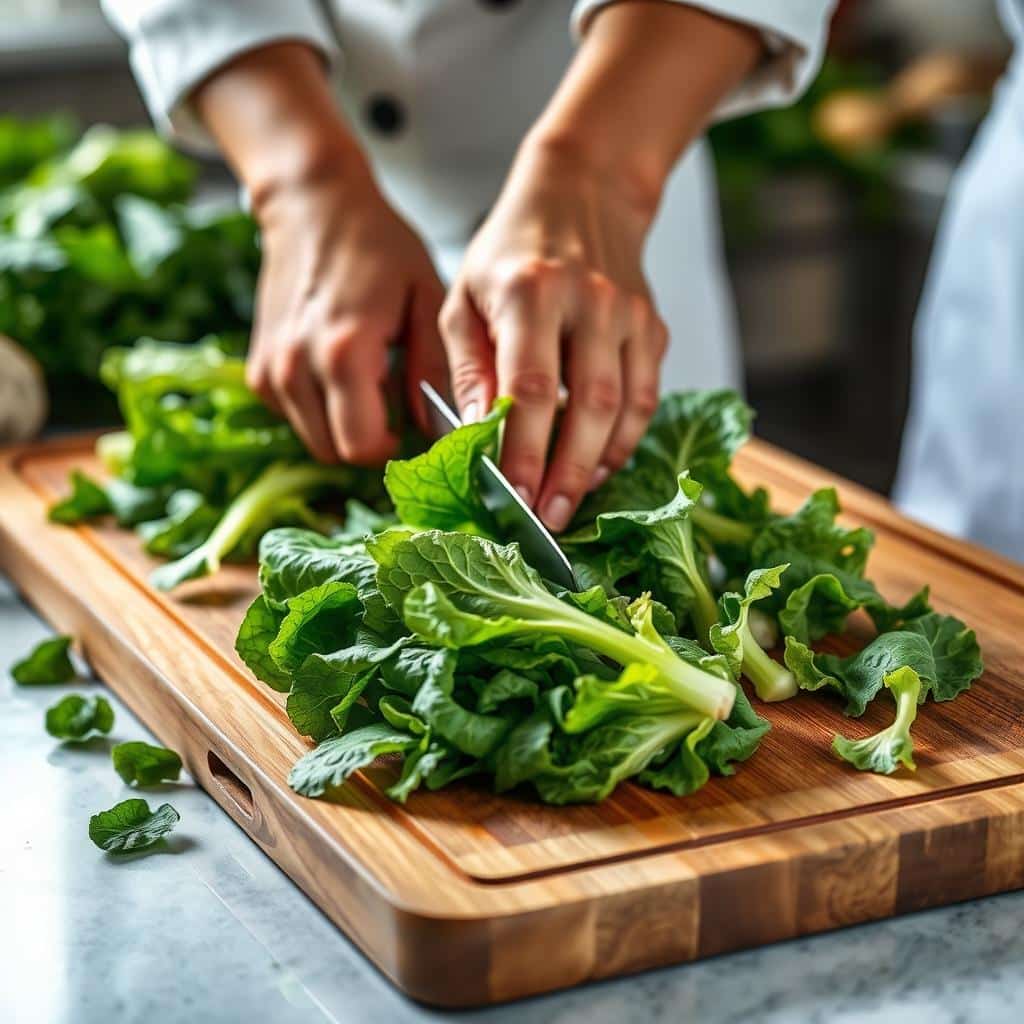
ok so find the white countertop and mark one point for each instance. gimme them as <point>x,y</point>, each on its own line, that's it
<point>212,931</point>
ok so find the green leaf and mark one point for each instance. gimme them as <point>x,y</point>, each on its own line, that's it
<point>333,761</point>
<point>735,739</point>
<point>86,501</point>
<point>822,605</point>
<point>601,758</point>
<point>324,690</point>
<point>131,825</point>
<point>685,771</point>
<point>438,489</point>
<point>672,567</point>
<point>76,718</point>
<point>475,580</point>
<point>144,764</point>
<point>188,522</point>
<point>47,662</point>
<point>257,632</point>
<point>318,621</point>
<point>733,639</point>
<point>506,687</point>
<point>472,733</point>
<point>885,751</point>
<point>939,648</point>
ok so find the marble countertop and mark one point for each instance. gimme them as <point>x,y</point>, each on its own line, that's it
<point>211,930</point>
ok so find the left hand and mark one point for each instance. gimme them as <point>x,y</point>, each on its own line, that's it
<point>552,291</point>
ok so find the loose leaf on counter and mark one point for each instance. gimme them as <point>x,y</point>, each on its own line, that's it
<point>86,500</point>
<point>939,648</point>
<point>76,718</point>
<point>144,764</point>
<point>48,662</point>
<point>886,750</point>
<point>131,825</point>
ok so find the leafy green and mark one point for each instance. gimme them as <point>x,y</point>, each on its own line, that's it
<point>86,500</point>
<point>662,540</point>
<point>333,761</point>
<point>47,662</point>
<point>144,764</point>
<point>438,489</point>
<point>251,512</point>
<point>96,248</point>
<point>885,751</point>
<point>939,648</point>
<point>76,718</point>
<point>131,825</point>
<point>460,590</point>
<point>733,638</point>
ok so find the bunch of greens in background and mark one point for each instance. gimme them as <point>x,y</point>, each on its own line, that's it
<point>427,639</point>
<point>98,246</point>
<point>202,469</point>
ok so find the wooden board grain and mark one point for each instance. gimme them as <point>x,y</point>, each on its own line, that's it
<point>463,897</point>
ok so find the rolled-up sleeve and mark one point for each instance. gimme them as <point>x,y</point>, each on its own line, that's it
<point>175,44</point>
<point>795,32</point>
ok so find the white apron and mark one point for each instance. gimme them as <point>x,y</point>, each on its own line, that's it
<point>962,465</point>
<point>441,92</point>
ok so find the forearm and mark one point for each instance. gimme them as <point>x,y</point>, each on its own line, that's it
<point>642,87</point>
<point>274,117</point>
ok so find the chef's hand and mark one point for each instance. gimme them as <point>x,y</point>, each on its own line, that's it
<point>552,290</point>
<point>343,277</point>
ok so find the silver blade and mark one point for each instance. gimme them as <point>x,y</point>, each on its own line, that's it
<point>516,520</point>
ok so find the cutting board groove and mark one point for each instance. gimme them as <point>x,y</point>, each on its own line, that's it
<point>463,897</point>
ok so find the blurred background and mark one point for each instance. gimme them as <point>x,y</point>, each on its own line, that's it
<point>829,210</point>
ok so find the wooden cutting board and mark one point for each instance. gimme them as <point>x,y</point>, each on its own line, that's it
<point>462,897</point>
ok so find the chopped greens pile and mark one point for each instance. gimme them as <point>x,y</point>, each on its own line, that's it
<point>406,628</point>
<point>202,469</point>
<point>100,244</point>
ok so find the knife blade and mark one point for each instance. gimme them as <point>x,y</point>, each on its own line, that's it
<point>516,520</point>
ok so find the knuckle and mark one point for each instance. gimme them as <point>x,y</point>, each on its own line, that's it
<point>532,387</point>
<point>574,476</point>
<point>616,455</point>
<point>601,290</point>
<point>527,278</point>
<point>525,464</point>
<point>659,336</point>
<point>337,354</point>
<point>464,377</point>
<point>644,401</point>
<point>600,394</point>
<point>288,367</point>
<point>452,318</point>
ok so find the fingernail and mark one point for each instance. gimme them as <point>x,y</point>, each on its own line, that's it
<point>525,493</point>
<point>472,412</point>
<point>557,512</point>
<point>600,475</point>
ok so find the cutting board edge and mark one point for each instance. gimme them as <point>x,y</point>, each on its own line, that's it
<point>581,928</point>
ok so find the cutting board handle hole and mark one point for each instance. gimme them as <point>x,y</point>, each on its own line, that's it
<point>231,785</point>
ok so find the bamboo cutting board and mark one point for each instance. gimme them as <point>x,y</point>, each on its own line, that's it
<point>462,897</point>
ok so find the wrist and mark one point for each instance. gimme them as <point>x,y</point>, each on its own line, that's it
<point>584,156</point>
<point>319,162</point>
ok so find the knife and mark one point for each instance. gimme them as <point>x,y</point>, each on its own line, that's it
<point>516,520</point>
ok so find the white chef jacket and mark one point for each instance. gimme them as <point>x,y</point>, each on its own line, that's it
<point>441,92</point>
<point>962,465</point>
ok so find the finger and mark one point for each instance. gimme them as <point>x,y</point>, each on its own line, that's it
<point>257,376</point>
<point>470,355</point>
<point>353,371</point>
<point>594,380</point>
<point>298,393</point>
<point>641,370</point>
<point>527,369</point>
<point>425,356</point>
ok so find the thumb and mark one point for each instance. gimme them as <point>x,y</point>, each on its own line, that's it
<point>470,355</point>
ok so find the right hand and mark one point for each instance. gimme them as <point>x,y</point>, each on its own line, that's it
<point>343,278</point>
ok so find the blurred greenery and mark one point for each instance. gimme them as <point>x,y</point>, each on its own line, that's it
<point>101,242</point>
<point>754,150</point>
